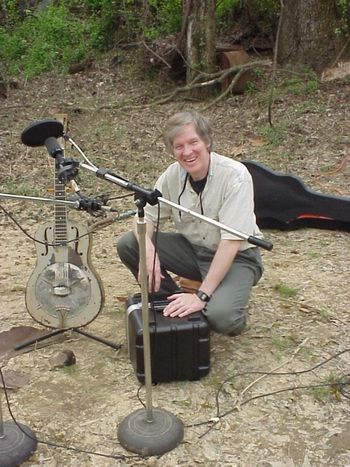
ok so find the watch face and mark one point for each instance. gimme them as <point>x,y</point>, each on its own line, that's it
<point>203,296</point>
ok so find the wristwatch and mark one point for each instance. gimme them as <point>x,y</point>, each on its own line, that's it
<point>203,296</point>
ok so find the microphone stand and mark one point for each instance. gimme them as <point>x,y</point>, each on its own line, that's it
<point>17,441</point>
<point>74,204</point>
<point>150,431</point>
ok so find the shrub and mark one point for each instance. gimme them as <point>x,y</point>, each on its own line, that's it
<point>48,40</point>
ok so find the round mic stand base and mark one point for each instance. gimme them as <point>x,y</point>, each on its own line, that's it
<point>150,437</point>
<point>15,446</point>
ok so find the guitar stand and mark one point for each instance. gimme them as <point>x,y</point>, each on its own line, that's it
<point>59,331</point>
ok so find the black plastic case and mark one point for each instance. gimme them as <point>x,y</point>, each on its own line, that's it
<point>180,347</point>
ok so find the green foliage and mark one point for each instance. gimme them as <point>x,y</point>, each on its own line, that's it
<point>344,9</point>
<point>10,13</point>
<point>51,39</point>
<point>38,36</point>
<point>331,388</point>
<point>228,11</point>
<point>322,393</point>
<point>271,7</point>
<point>116,21</point>
<point>225,12</point>
<point>250,88</point>
<point>273,134</point>
<point>281,343</point>
<point>224,7</point>
<point>227,7</point>
<point>324,313</point>
<point>286,291</point>
<point>343,5</point>
<point>21,189</point>
<point>310,106</point>
<point>166,18</point>
<point>299,85</point>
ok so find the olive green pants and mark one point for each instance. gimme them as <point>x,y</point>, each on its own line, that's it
<point>226,311</point>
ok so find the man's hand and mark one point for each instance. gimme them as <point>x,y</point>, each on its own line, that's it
<point>154,274</point>
<point>183,304</point>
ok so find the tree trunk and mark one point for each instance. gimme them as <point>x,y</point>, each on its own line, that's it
<point>199,40</point>
<point>308,34</point>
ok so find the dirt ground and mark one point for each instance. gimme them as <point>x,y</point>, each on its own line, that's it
<point>298,314</point>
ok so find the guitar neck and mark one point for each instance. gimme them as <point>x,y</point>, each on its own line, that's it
<point>60,232</point>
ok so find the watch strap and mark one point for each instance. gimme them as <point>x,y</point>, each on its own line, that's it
<point>203,296</point>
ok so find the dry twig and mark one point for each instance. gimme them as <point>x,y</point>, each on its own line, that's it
<point>274,66</point>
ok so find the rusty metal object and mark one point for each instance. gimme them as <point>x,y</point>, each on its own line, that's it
<point>229,59</point>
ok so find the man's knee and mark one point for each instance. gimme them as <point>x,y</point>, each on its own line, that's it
<point>238,326</point>
<point>230,322</point>
<point>125,245</point>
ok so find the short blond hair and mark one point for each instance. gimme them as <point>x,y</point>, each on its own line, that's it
<point>175,125</point>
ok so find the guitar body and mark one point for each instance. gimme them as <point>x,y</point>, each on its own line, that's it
<point>64,291</point>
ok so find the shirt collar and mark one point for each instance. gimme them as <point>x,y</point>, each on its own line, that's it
<point>212,163</point>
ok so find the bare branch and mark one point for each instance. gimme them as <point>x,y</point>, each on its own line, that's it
<point>155,54</point>
<point>226,92</point>
<point>214,78</point>
<point>274,66</point>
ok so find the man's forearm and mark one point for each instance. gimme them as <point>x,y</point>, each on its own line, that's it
<point>152,260</point>
<point>222,261</point>
<point>149,231</point>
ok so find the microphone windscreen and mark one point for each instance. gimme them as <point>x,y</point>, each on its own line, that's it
<point>36,133</point>
<point>53,147</point>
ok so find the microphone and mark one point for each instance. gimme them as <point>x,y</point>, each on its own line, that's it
<point>44,133</point>
<point>92,205</point>
<point>54,149</point>
<point>103,207</point>
<point>37,133</point>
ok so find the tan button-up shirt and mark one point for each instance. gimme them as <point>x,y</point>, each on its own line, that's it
<point>228,198</point>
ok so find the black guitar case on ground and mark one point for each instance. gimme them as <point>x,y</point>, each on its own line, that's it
<point>284,202</point>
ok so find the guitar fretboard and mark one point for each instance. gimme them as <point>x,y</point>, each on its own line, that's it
<point>60,233</point>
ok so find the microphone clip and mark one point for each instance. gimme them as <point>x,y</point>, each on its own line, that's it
<point>67,169</point>
<point>91,205</point>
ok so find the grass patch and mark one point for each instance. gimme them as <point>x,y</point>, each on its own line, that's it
<point>281,343</point>
<point>313,255</point>
<point>286,291</point>
<point>332,390</point>
<point>301,85</point>
<point>274,135</point>
<point>324,313</point>
<point>21,189</point>
<point>310,106</point>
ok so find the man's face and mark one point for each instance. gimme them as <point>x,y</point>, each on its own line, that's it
<point>191,152</point>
